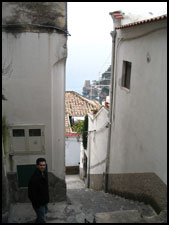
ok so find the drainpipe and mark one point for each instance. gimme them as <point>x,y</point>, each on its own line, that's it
<point>117,16</point>
<point>88,156</point>
<point>113,34</point>
<point>88,163</point>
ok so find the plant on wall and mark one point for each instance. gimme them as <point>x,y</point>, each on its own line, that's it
<point>94,110</point>
<point>4,133</point>
<point>85,132</point>
<point>78,126</point>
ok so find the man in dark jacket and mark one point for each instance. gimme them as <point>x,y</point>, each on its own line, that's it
<point>38,191</point>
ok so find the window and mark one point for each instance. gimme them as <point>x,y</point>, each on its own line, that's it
<point>26,139</point>
<point>126,74</point>
<point>34,132</point>
<point>18,133</point>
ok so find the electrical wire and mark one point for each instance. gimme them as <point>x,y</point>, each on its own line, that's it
<point>35,25</point>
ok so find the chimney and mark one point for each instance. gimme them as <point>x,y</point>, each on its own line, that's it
<point>117,16</point>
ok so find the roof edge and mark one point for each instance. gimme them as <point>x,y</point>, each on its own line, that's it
<point>142,22</point>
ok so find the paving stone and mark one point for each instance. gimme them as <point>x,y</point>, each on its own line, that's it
<point>21,213</point>
<point>152,219</point>
<point>127,216</point>
<point>55,221</point>
<point>90,217</point>
<point>80,218</point>
<point>55,215</point>
<point>76,208</point>
<point>57,206</point>
<point>84,204</point>
<point>163,216</point>
<point>71,219</point>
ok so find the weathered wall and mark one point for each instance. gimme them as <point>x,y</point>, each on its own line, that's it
<point>5,190</point>
<point>70,170</point>
<point>36,85</point>
<point>97,147</point>
<point>139,129</point>
<point>57,189</point>
<point>96,181</point>
<point>31,85</point>
<point>144,187</point>
<point>46,13</point>
<point>72,151</point>
<point>138,162</point>
<point>58,116</point>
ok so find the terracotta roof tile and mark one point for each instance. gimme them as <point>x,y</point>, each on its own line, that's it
<point>142,22</point>
<point>77,105</point>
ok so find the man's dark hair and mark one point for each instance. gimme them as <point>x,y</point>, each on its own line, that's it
<point>40,160</point>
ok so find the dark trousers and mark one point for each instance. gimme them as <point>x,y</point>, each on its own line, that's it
<point>40,213</point>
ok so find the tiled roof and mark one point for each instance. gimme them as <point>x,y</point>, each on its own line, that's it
<point>72,134</point>
<point>77,105</point>
<point>142,22</point>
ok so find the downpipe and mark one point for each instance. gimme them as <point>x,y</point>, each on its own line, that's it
<point>113,34</point>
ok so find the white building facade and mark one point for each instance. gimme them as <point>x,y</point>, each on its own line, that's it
<point>72,153</point>
<point>137,162</point>
<point>35,47</point>
<point>97,147</point>
<point>136,153</point>
<point>139,112</point>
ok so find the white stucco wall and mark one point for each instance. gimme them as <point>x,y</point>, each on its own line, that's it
<point>139,131</point>
<point>97,141</point>
<point>35,90</point>
<point>81,156</point>
<point>73,146</point>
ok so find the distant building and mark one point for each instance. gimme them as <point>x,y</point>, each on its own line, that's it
<point>76,107</point>
<point>96,150</point>
<point>86,88</point>
<point>99,89</point>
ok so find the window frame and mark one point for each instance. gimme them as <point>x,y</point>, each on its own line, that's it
<point>125,75</point>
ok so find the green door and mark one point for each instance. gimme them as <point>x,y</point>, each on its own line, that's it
<point>24,174</point>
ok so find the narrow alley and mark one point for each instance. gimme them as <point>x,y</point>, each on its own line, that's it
<point>85,205</point>
<point>103,146</point>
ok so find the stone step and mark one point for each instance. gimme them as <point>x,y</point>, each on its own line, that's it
<point>126,216</point>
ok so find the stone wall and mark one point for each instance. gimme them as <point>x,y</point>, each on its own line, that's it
<point>96,181</point>
<point>145,187</point>
<point>72,170</point>
<point>5,193</point>
<point>57,189</point>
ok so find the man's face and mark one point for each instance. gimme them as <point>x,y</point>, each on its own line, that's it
<point>42,166</point>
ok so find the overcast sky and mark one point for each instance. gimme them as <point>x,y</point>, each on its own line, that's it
<point>89,46</point>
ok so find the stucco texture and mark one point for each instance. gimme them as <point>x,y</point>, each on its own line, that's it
<point>46,13</point>
<point>139,128</point>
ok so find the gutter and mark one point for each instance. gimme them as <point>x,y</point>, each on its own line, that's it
<point>113,34</point>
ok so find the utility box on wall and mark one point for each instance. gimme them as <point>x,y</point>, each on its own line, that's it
<point>26,139</point>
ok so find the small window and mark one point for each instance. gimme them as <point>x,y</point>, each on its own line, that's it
<point>18,133</point>
<point>126,74</point>
<point>34,132</point>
